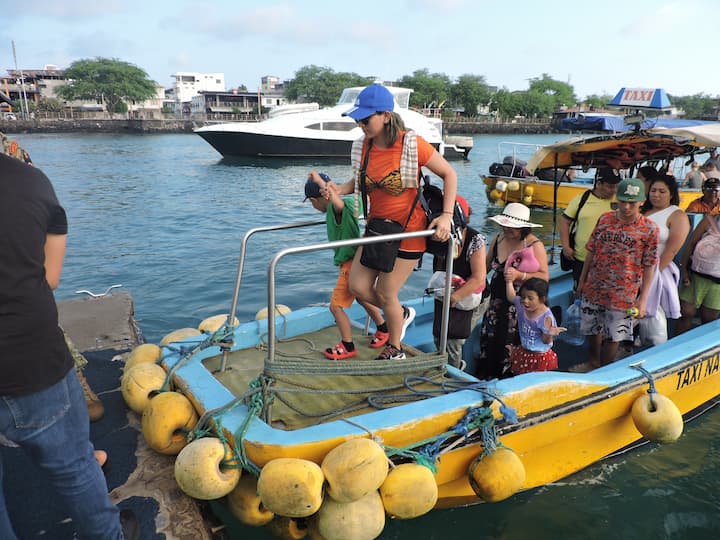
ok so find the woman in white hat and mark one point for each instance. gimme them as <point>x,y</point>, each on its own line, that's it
<point>518,254</point>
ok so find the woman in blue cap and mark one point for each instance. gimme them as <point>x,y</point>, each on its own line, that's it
<point>386,161</point>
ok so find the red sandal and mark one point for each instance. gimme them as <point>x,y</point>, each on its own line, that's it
<point>339,352</point>
<point>379,339</point>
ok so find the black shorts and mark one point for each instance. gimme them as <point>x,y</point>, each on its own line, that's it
<point>410,255</point>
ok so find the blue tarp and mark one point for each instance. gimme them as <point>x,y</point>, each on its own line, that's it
<point>615,124</point>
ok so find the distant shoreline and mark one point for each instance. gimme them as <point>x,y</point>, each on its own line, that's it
<point>73,125</point>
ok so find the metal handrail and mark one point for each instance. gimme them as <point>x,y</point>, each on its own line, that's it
<point>318,247</point>
<point>354,242</point>
<point>241,266</point>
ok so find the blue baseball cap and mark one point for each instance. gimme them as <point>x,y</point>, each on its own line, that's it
<point>374,98</point>
<point>312,189</point>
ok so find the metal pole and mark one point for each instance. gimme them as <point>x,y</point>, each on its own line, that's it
<point>23,111</point>
<point>446,297</point>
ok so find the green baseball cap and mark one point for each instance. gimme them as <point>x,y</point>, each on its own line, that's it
<point>631,190</point>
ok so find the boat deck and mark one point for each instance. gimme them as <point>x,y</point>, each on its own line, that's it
<point>301,374</point>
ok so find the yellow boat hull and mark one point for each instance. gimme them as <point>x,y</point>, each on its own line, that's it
<point>566,422</point>
<point>533,192</point>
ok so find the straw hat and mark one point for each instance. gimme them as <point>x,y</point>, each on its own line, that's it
<point>515,216</point>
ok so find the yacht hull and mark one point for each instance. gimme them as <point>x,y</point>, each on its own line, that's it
<point>238,144</point>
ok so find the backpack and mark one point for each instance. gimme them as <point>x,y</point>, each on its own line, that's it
<point>706,255</point>
<point>431,198</point>
<point>508,169</point>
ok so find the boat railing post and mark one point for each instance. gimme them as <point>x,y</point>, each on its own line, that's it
<point>241,266</point>
<point>556,185</point>
<point>446,298</point>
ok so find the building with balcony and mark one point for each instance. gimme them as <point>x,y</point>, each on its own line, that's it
<point>189,84</point>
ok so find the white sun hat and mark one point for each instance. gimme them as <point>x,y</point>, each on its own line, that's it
<point>515,216</point>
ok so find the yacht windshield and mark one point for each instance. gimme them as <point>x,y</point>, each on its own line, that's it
<point>402,96</point>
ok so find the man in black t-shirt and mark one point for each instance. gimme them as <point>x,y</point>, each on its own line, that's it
<point>42,407</point>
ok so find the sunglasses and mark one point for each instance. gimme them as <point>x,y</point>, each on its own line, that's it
<point>716,190</point>
<point>365,121</point>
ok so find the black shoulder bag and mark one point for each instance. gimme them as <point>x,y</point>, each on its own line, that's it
<point>380,255</point>
<point>565,263</point>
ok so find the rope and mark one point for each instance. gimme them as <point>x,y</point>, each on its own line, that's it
<point>222,337</point>
<point>651,382</point>
<point>426,452</point>
<point>211,421</point>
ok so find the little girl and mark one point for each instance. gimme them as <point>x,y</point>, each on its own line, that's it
<point>536,328</point>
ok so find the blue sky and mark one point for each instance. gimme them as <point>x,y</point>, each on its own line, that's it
<point>596,46</point>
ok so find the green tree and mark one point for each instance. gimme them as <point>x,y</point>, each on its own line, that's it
<point>50,105</point>
<point>561,94</point>
<point>597,101</point>
<point>107,80</point>
<point>697,106</point>
<point>508,104</point>
<point>321,84</point>
<point>469,92</point>
<point>430,89</point>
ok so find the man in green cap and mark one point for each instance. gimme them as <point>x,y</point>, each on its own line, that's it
<point>617,273</point>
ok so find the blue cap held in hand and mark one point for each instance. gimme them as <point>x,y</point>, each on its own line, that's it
<point>312,189</point>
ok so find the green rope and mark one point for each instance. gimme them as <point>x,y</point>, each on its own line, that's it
<point>425,452</point>
<point>211,423</point>
<point>221,336</point>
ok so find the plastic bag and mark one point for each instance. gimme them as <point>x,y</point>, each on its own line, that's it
<point>436,287</point>
<point>572,336</point>
<point>653,330</point>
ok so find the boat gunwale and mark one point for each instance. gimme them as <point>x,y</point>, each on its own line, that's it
<point>611,377</point>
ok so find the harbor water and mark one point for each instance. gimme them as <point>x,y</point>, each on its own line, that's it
<point>164,215</point>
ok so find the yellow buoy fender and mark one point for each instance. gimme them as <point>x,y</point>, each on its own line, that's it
<point>147,353</point>
<point>287,528</point>
<point>529,191</point>
<point>501,186</point>
<point>495,195</point>
<point>211,324</point>
<point>166,420</point>
<point>291,487</point>
<point>496,476</point>
<point>354,468</point>
<point>527,199</point>
<point>280,309</point>
<point>662,424</point>
<point>363,519</point>
<point>199,471</point>
<point>513,185</point>
<point>245,504</point>
<point>409,491</point>
<point>179,334</point>
<point>138,382</point>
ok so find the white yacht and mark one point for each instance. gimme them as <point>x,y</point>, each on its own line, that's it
<point>306,130</point>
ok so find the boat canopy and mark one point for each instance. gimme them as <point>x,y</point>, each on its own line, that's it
<point>624,150</point>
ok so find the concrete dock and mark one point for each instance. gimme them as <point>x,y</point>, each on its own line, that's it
<point>104,330</point>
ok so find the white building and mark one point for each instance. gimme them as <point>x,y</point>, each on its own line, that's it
<point>189,84</point>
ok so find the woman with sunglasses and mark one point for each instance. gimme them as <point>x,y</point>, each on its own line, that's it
<point>386,160</point>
